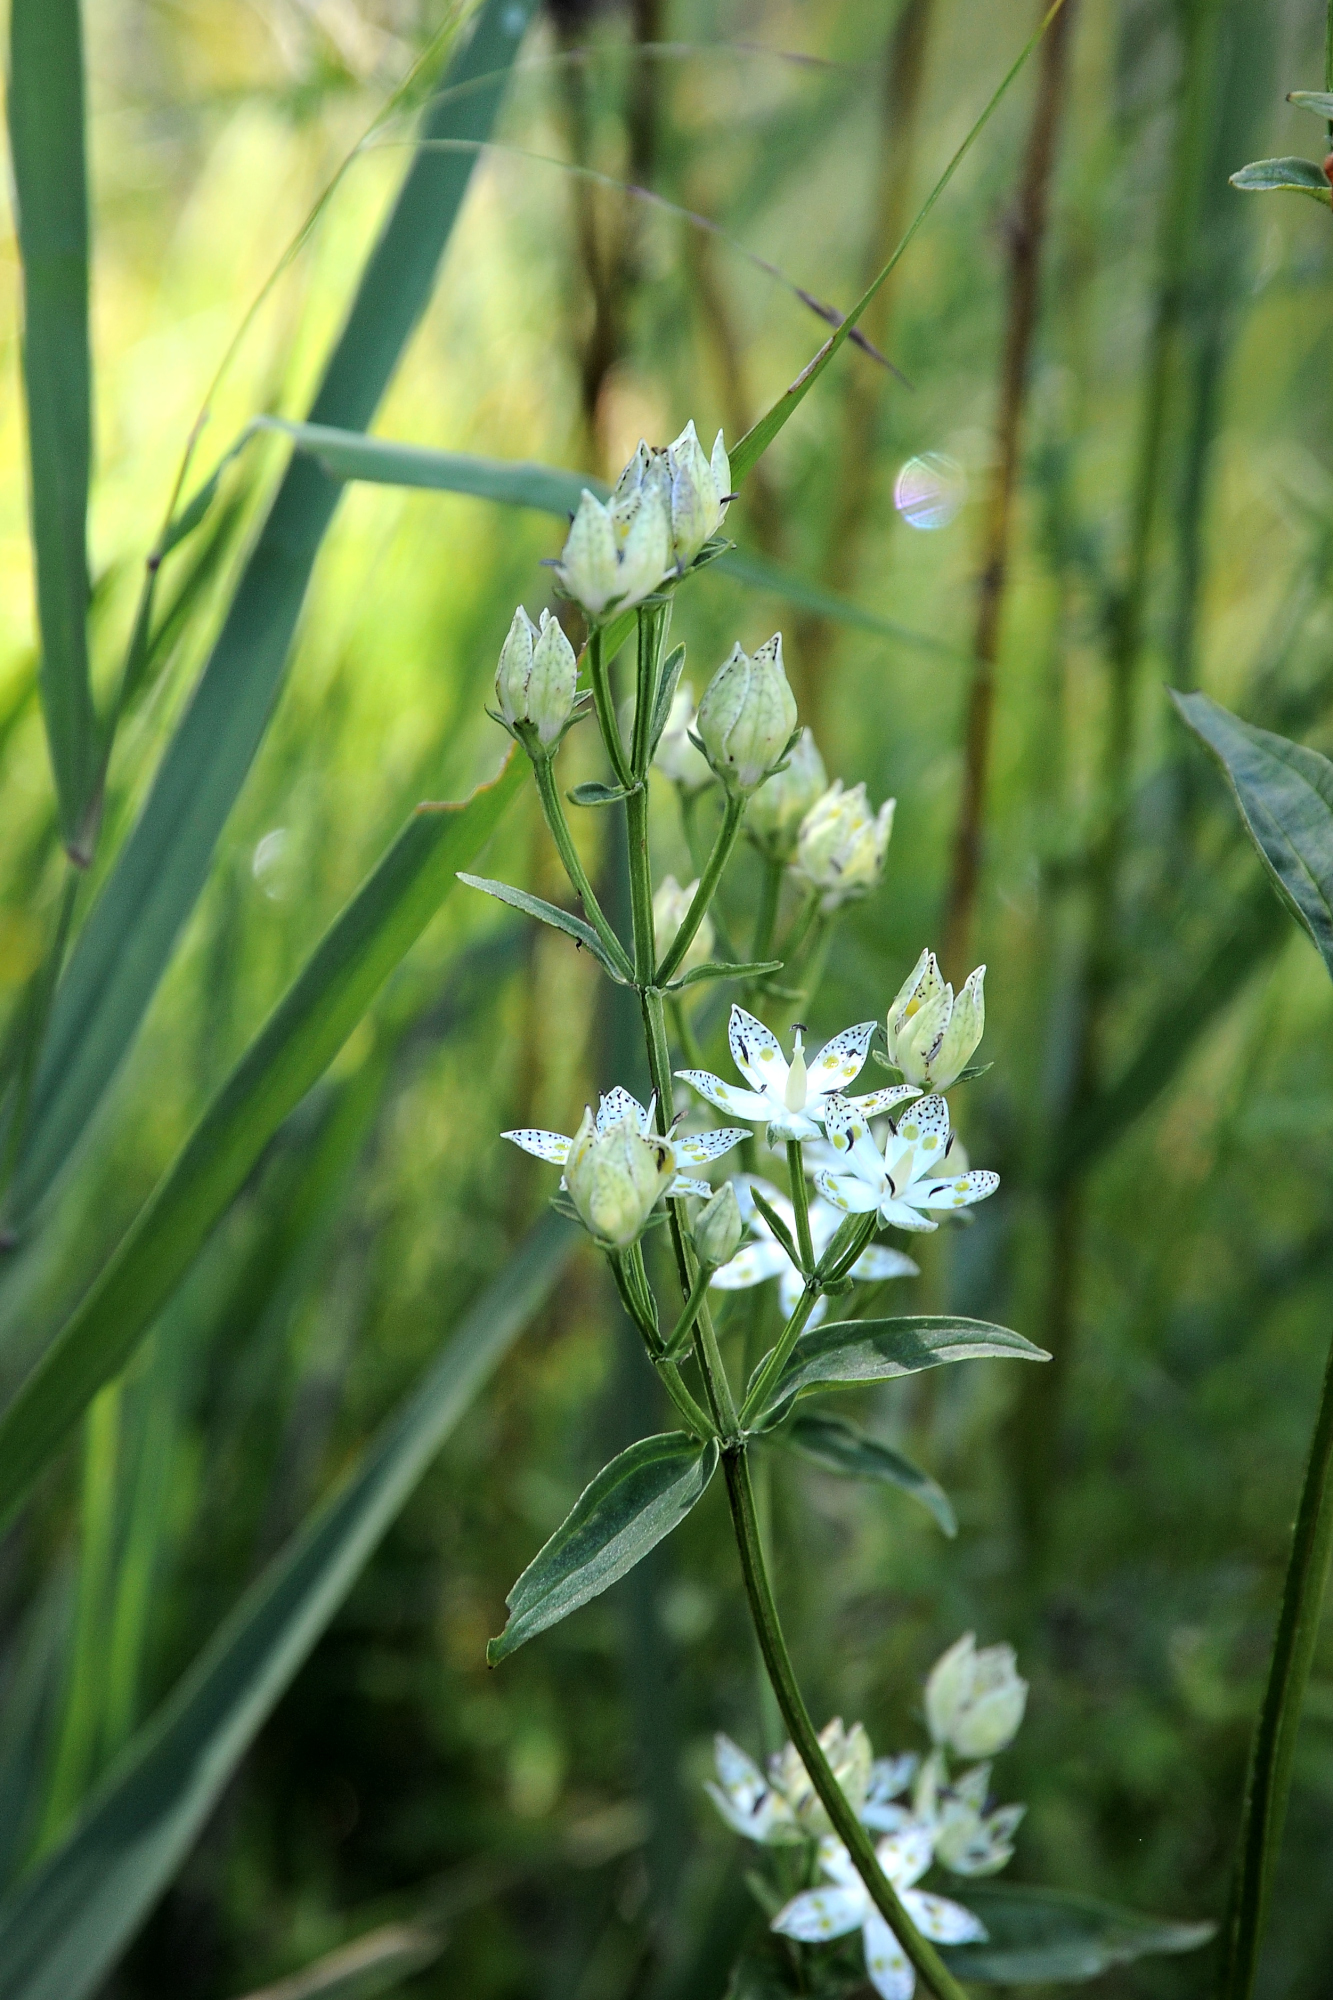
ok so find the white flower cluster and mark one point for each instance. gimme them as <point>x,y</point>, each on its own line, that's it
<point>974,1705</point>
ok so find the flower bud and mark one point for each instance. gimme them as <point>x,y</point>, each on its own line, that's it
<point>698,487</point>
<point>775,812</point>
<point>618,552</point>
<point>975,1700</point>
<point>849,1757</point>
<point>669,907</point>
<point>931,1035</point>
<point>535,680</point>
<point>615,1177</point>
<point>676,756</point>
<point>841,846</point>
<point>747,716</point>
<point>717,1233</point>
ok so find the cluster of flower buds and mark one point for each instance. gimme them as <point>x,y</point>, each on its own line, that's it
<point>670,903</point>
<point>535,680</point>
<point>975,1700</point>
<point>931,1035</point>
<point>842,844</point>
<point>747,718</point>
<point>665,506</point>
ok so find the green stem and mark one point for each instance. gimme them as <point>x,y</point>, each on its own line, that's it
<point>599,680</point>
<point>800,1202</point>
<point>554,813</point>
<point>680,1333</point>
<point>777,1360</point>
<point>930,1967</point>
<point>707,889</point>
<point>1279,1718</point>
<point>653,622</point>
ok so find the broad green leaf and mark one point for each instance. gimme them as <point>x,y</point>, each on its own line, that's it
<point>125,945</point>
<point>1292,175</point>
<point>1053,1934</point>
<point>1285,795</point>
<point>1318,101</point>
<point>375,1963</point>
<point>631,1504</point>
<point>50,185</point>
<point>725,969</point>
<point>302,1036</point>
<point>549,913</point>
<point>875,1350</point>
<point>548,489</point>
<point>841,1447</point>
<point>67,1923</point>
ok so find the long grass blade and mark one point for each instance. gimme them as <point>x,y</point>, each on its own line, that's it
<point>65,1926</point>
<point>50,183</point>
<point>161,870</point>
<point>302,1036</point>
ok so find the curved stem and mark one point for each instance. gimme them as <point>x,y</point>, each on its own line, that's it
<point>707,889</point>
<point>1279,1718</point>
<point>929,1965</point>
<point>554,814</point>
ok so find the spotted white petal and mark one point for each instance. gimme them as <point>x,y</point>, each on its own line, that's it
<point>844,1124</point>
<point>887,1964</point>
<point>900,1215</point>
<point>961,1193</point>
<point>819,1914</point>
<point>874,1101</point>
<point>702,1146</point>
<point>849,1193</point>
<point>884,1816</point>
<point>837,1863</point>
<point>756,1052</point>
<point>878,1263</point>
<point>616,1106</point>
<point>740,1103</point>
<point>890,1776</point>
<point>942,1921</point>
<point>927,1119</point>
<point>739,1775</point>
<point>751,1266</point>
<point>683,1184</point>
<point>840,1060</point>
<point>905,1856</point>
<point>552,1146</point>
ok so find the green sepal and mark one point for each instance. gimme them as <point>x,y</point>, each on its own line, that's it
<point>724,969</point>
<point>839,1446</point>
<point>630,1506</point>
<point>666,694</point>
<point>552,914</point>
<point>1293,175</point>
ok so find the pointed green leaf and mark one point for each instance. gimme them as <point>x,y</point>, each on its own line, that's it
<point>597,794</point>
<point>126,943</point>
<point>1285,795</point>
<point>67,1923</point>
<point>552,914</point>
<point>777,1225</point>
<point>1318,101</point>
<point>725,969</point>
<point>299,1041</point>
<point>666,694</point>
<point>631,1505</point>
<point>841,1447</point>
<point>1053,1934</point>
<point>875,1350</point>
<point>1292,175</point>
<point>50,183</point>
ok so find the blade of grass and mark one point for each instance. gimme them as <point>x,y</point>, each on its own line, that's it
<point>50,183</point>
<point>300,1039</point>
<point>65,1926</point>
<point>130,934</point>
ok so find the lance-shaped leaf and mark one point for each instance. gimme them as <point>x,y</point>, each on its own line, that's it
<point>552,914</point>
<point>1285,795</point>
<point>63,1928</point>
<point>1288,176</point>
<point>842,1447</point>
<point>302,1036</point>
<point>1053,1934</point>
<point>717,968</point>
<point>50,183</point>
<point>633,1502</point>
<point>131,931</point>
<point>875,1350</point>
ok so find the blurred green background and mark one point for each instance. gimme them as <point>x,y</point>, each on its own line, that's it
<point>1162,1090</point>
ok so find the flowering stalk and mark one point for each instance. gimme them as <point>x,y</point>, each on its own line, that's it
<point>777,1661</point>
<point>800,1202</point>
<point>554,814</point>
<point>599,681</point>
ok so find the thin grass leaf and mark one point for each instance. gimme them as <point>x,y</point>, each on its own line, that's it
<point>160,871</point>
<point>552,914</point>
<point>50,184</point>
<point>1056,1934</point>
<point>630,1506</point>
<point>67,1923</point>
<point>290,1053</point>
<point>375,1963</point>
<point>841,1447</point>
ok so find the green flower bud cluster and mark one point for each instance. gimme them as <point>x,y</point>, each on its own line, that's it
<point>975,1700</point>
<point>616,1177</point>
<point>842,844</point>
<point>931,1035</point>
<point>665,506</point>
<point>747,717</point>
<point>536,678</point>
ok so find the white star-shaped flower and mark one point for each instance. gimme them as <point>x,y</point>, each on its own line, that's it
<point>748,1802</point>
<point>791,1097</point>
<point>904,1180</point>
<point>690,1149</point>
<point>766,1258</point>
<point>817,1915</point>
